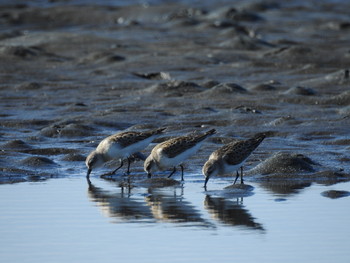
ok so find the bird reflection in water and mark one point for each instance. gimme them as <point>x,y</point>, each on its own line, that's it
<point>165,205</point>
<point>119,205</point>
<point>284,187</point>
<point>231,212</point>
<point>170,207</point>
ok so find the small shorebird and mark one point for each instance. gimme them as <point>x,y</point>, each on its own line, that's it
<point>230,158</point>
<point>120,146</point>
<point>173,152</point>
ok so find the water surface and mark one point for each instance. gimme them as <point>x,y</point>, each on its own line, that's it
<point>68,220</point>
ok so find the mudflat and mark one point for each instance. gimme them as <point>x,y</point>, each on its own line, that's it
<point>73,73</point>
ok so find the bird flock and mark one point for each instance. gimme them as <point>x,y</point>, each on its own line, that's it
<point>171,153</point>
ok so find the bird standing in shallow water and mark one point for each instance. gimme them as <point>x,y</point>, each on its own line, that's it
<point>173,152</point>
<point>230,158</point>
<point>120,146</point>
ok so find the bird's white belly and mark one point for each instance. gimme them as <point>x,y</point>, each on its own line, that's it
<point>229,169</point>
<point>165,162</point>
<point>136,147</point>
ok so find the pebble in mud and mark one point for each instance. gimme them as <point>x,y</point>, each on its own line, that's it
<point>69,130</point>
<point>223,89</point>
<point>153,75</point>
<point>264,87</point>
<point>74,157</point>
<point>239,189</point>
<point>334,194</point>
<point>29,86</point>
<point>16,145</point>
<point>301,91</point>
<point>342,99</point>
<point>284,186</point>
<point>101,57</point>
<point>233,191</point>
<point>245,109</point>
<point>246,43</point>
<point>18,51</point>
<point>344,111</point>
<point>210,83</point>
<point>36,161</point>
<point>294,54</point>
<point>175,88</point>
<point>284,163</point>
<point>158,182</point>
<point>49,151</point>
<point>284,120</point>
<point>236,15</point>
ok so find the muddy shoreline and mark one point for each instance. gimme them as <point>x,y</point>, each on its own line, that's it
<point>72,74</point>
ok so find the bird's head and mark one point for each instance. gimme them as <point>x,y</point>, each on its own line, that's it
<point>149,166</point>
<point>94,160</point>
<point>210,168</point>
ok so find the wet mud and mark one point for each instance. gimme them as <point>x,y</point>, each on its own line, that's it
<point>74,74</point>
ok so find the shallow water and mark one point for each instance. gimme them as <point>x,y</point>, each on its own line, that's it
<point>68,220</point>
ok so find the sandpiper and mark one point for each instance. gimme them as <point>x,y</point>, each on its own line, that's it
<point>173,152</point>
<point>120,146</point>
<point>230,158</point>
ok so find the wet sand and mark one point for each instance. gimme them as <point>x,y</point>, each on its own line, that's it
<point>74,74</point>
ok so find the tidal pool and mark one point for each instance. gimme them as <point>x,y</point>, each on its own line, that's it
<point>71,220</point>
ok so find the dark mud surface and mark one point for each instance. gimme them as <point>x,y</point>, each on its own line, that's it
<point>74,73</point>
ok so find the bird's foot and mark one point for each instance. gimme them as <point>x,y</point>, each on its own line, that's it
<point>106,175</point>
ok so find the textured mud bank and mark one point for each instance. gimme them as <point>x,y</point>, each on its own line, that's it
<point>73,74</point>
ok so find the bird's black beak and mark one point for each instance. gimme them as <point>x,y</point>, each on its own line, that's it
<point>88,173</point>
<point>149,175</point>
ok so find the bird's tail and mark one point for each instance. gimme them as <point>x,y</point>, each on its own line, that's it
<point>159,131</point>
<point>207,134</point>
<point>210,132</point>
<point>257,139</point>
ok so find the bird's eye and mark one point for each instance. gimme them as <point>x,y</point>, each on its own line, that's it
<point>91,162</point>
<point>210,168</point>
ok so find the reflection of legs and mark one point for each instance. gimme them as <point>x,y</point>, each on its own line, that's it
<point>113,172</point>
<point>182,172</point>
<point>237,175</point>
<point>128,171</point>
<point>242,175</point>
<point>174,170</point>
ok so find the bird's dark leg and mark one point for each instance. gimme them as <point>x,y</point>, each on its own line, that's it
<point>121,165</point>
<point>242,175</point>
<point>237,175</point>
<point>174,170</point>
<point>182,172</point>
<point>88,181</point>
<point>113,172</point>
<point>88,173</point>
